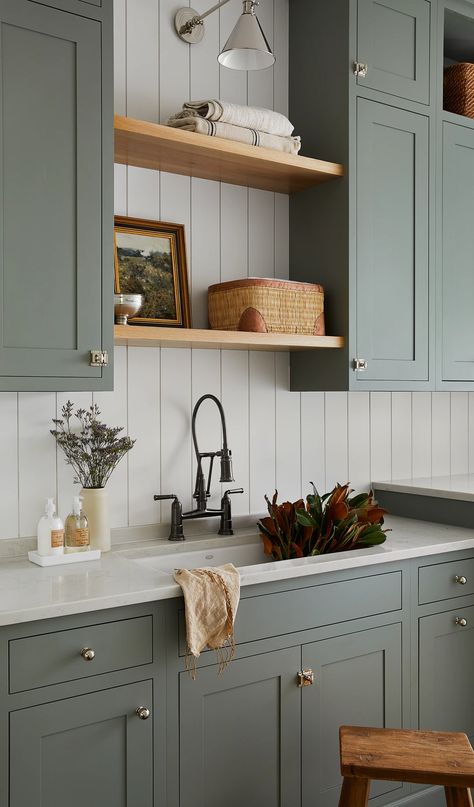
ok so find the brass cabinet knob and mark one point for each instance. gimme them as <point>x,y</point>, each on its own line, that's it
<point>142,712</point>
<point>88,654</point>
<point>461,579</point>
<point>305,678</point>
<point>460,621</point>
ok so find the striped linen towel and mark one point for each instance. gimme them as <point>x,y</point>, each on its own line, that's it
<point>249,117</point>
<point>253,137</point>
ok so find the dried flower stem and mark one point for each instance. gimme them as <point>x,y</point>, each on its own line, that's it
<point>94,450</point>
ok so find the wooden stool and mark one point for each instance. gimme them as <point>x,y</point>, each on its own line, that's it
<point>399,755</point>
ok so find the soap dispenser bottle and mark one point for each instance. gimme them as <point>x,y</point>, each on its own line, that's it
<point>77,538</point>
<point>50,531</point>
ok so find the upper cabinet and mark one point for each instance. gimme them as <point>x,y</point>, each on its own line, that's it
<point>369,235</point>
<point>56,216</point>
<point>457,255</point>
<point>392,244</point>
<point>87,8</point>
<point>393,44</point>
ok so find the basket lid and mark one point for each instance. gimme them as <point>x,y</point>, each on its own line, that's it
<point>266,282</point>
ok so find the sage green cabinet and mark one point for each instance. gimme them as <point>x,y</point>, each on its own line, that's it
<point>393,40</point>
<point>446,661</point>
<point>92,749</point>
<point>240,733</point>
<point>456,289</point>
<point>88,8</point>
<point>56,222</point>
<point>392,244</point>
<point>369,235</point>
<point>357,680</point>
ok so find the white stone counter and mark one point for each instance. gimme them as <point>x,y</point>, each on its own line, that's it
<point>134,575</point>
<point>459,487</point>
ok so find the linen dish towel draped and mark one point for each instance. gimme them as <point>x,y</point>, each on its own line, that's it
<point>211,599</point>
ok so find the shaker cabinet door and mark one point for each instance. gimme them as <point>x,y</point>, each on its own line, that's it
<point>52,193</point>
<point>92,749</point>
<point>240,733</point>
<point>357,681</point>
<point>456,287</point>
<point>393,39</point>
<point>391,292</point>
<point>446,648</point>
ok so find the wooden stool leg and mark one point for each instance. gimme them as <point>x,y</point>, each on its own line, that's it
<point>355,792</point>
<point>458,797</point>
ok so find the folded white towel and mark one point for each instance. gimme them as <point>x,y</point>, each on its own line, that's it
<point>289,145</point>
<point>250,117</point>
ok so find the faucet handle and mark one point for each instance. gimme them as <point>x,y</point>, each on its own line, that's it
<point>226,514</point>
<point>176,531</point>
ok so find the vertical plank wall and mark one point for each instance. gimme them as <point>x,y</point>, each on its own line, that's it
<point>278,438</point>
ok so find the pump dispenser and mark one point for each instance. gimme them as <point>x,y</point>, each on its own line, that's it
<point>77,529</point>
<point>50,531</point>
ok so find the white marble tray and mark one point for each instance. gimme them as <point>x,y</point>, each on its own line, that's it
<point>59,560</point>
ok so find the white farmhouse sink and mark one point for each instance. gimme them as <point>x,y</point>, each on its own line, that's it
<point>167,560</point>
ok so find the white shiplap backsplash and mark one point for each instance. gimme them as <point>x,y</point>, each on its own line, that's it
<point>278,438</point>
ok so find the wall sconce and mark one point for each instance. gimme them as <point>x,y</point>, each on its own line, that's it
<point>246,48</point>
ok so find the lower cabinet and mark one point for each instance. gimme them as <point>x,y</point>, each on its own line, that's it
<point>254,734</point>
<point>240,733</point>
<point>92,749</point>
<point>446,647</point>
<point>357,681</point>
<point>262,734</point>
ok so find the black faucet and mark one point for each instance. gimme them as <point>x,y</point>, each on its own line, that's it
<point>202,491</point>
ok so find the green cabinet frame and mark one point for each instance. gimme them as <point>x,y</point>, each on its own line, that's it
<point>392,244</point>
<point>393,40</point>
<point>56,222</point>
<point>251,713</point>
<point>92,749</point>
<point>358,680</point>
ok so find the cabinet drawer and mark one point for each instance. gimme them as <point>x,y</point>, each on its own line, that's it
<point>305,608</point>
<point>54,658</point>
<point>445,580</point>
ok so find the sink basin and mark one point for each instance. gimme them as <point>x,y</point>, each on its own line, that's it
<point>241,555</point>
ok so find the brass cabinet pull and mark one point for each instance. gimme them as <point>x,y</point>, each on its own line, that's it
<point>305,678</point>
<point>461,579</point>
<point>460,621</point>
<point>88,654</point>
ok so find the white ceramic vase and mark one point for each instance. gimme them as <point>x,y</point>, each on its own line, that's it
<point>96,507</point>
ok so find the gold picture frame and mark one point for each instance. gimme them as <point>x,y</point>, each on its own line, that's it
<point>150,259</point>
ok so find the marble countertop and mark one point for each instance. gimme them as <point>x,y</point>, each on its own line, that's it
<point>456,486</point>
<point>29,592</point>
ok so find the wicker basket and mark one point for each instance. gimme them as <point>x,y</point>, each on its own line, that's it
<point>265,305</point>
<point>459,89</point>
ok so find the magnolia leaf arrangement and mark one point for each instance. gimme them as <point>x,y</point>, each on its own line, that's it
<point>94,450</point>
<point>334,522</point>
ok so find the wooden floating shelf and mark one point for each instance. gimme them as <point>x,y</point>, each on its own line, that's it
<point>145,336</point>
<point>163,148</point>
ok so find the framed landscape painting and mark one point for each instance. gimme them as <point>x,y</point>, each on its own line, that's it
<point>150,259</point>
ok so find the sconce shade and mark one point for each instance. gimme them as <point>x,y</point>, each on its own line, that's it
<point>247,47</point>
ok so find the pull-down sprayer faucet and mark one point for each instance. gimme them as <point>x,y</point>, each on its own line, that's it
<point>202,491</point>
